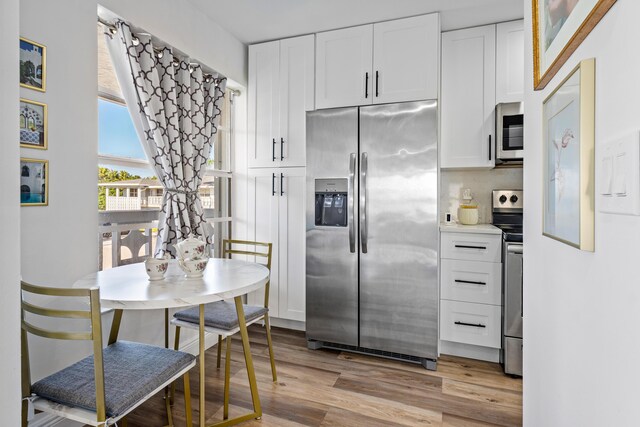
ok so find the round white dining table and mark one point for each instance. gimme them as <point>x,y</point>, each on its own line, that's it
<point>129,288</point>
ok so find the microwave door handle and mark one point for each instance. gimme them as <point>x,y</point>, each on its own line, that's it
<point>351,208</point>
<point>364,235</point>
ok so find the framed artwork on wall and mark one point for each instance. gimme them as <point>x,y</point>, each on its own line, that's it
<point>559,26</point>
<point>569,140</point>
<point>33,124</point>
<point>34,182</point>
<point>33,65</point>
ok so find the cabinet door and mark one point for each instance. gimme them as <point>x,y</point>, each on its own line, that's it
<point>510,62</point>
<point>263,117</point>
<point>406,59</point>
<point>296,98</point>
<point>291,247</point>
<point>264,196</point>
<point>468,98</point>
<point>343,67</point>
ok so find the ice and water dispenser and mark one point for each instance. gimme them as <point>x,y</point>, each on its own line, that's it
<point>331,202</point>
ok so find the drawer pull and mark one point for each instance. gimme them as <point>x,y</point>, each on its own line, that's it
<point>475,325</point>
<point>470,282</point>
<point>471,247</point>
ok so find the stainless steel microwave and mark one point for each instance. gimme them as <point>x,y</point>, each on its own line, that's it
<point>509,131</point>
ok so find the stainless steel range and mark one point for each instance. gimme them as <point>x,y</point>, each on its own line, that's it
<point>507,215</point>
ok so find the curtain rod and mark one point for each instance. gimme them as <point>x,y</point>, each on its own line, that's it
<point>112,29</point>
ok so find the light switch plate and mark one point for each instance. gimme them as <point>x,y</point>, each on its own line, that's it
<point>619,176</point>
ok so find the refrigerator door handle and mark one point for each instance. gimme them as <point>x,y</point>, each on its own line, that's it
<point>364,164</point>
<point>352,207</point>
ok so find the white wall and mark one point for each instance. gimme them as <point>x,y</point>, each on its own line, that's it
<point>177,22</point>
<point>9,215</point>
<point>582,310</point>
<point>60,241</point>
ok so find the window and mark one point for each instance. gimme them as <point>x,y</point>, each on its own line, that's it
<point>121,157</point>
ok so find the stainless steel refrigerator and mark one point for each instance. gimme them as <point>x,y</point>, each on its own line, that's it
<point>372,230</point>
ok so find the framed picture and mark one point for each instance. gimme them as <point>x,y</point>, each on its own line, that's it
<point>34,182</point>
<point>559,26</point>
<point>569,140</point>
<point>33,65</point>
<point>33,124</point>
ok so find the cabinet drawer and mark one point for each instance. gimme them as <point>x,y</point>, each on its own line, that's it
<point>471,246</point>
<point>471,281</point>
<point>468,323</point>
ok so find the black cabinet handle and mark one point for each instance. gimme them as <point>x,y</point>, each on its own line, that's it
<point>471,247</point>
<point>376,84</point>
<point>281,186</point>
<point>281,148</point>
<point>489,147</point>
<point>273,150</point>
<point>366,85</point>
<point>472,282</point>
<point>475,325</point>
<point>273,184</point>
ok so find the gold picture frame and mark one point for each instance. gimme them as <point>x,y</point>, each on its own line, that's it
<point>33,124</point>
<point>34,175</point>
<point>33,76</point>
<point>557,34</point>
<point>568,213</point>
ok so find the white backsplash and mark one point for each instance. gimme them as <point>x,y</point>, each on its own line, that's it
<point>481,183</point>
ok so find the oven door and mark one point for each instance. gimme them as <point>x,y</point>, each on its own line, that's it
<point>513,290</point>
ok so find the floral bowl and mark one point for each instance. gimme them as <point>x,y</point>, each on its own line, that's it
<point>156,267</point>
<point>193,267</point>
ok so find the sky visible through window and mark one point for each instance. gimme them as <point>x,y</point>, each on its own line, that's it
<point>118,137</point>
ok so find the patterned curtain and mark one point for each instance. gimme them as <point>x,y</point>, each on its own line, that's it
<point>176,112</point>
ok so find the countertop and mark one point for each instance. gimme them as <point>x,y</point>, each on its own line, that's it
<point>478,228</point>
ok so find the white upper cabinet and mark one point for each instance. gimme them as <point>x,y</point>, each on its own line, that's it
<point>281,75</point>
<point>264,80</point>
<point>296,98</point>
<point>468,98</point>
<point>343,67</point>
<point>510,62</point>
<point>390,61</point>
<point>405,59</point>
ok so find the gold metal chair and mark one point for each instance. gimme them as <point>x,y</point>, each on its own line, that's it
<point>221,317</point>
<point>101,389</point>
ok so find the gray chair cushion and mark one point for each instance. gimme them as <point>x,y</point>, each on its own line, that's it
<point>220,314</point>
<point>131,372</point>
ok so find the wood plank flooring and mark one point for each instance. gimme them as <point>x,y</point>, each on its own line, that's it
<point>332,388</point>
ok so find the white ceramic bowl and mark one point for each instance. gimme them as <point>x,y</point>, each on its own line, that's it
<point>156,268</point>
<point>193,267</point>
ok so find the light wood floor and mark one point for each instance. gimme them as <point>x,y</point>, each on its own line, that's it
<point>332,388</point>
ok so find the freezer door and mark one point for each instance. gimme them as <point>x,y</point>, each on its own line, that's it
<point>332,251</point>
<point>398,228</point>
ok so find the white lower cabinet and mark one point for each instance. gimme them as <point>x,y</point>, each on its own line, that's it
<point>470,323</point>
<point>471,293</point>
<point>276,215</point>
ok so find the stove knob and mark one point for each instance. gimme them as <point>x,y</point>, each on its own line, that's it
<point>514,198</point>
<point>503,198</point>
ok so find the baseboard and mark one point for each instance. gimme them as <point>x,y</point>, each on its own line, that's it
<point>50,420</point>
<point>470,351</point>
<point>193,347</point>
<point>288,324</point>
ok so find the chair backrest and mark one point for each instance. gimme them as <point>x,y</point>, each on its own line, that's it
<point>229,249</point>
<point>94,334</point>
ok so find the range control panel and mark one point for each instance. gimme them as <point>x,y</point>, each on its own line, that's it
<point>507,201</point>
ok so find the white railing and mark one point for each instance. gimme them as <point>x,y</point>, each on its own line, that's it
<point>154,201</point>
<point>122,203</point>
<point>122,244</point>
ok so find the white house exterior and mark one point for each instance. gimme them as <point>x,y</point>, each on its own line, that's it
<point>147,193</point>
